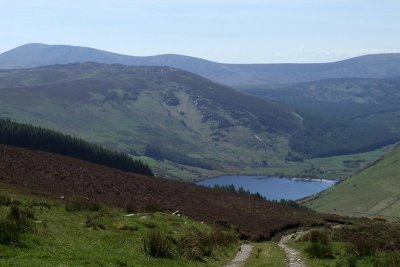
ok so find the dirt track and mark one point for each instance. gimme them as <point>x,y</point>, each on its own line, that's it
<point>293,257</point>
<point>242,256</point>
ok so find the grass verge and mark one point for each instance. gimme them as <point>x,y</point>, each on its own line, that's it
<point>266,254</point>
<point>100,237</point>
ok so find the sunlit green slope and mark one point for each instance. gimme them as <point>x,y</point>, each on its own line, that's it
<point>375,191</point>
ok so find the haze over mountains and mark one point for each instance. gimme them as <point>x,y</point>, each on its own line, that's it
<point>370,66</point>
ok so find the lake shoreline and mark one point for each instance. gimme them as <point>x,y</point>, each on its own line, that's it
<point>272,187</point>
<point>334,181</point>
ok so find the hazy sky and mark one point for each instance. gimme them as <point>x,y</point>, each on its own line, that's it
<point>234,31</point>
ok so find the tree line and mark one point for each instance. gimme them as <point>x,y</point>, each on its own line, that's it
<point>29,136</point>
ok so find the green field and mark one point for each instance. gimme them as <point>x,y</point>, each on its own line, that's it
<point>375,191</point>
<point>336,167</point>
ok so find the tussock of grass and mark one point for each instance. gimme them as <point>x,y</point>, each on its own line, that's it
<point>157,245</point>
<point>5,201</point>
<point>15,224</point>
<point>194,245</point>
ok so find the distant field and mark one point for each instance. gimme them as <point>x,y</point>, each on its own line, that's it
<point>337,167</point>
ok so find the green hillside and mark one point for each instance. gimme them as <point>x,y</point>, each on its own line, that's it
<point>176,117</point>
<point>375,191</point>
<point>182,125</point>
<point>341,116</point>
<point>373,101</point>
<point>25,135</point>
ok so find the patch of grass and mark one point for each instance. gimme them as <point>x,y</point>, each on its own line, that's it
<point>266,254</point>
<point>63,238</point>
<point>388,259</point>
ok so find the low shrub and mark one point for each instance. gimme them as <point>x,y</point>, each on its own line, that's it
<point>78,203</point>
<point>194,245</point>
<point>94,222</point>
<point>157,245</point>
<point>364,247</point>
<point>5,201</point>
<point>131,208</point>
<point>153,206</point>
<point>320,246</point>
<point>14,225</point>
<point>319,236</point>
<point>320,251</point>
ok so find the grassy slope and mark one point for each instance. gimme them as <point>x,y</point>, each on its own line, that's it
<point>371,192</point>
<point>340,115</point>
<point>126,108</point>
<point>62,239</point>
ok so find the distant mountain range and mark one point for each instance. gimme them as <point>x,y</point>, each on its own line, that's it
<point>369,66</point>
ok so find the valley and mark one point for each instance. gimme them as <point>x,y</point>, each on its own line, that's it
<point>200,133</point>
<point>184,126</point>
<point>88,145</point>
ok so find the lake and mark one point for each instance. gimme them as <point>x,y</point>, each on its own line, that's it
<point>273,188</point>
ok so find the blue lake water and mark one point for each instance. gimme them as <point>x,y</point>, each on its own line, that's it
<point>273,188</point>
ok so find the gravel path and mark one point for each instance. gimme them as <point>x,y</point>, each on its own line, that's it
<point>241,257</point>
<point>293,257</point>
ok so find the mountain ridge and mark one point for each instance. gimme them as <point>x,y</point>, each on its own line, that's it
<point>159,112</point>
<point>367,66</point>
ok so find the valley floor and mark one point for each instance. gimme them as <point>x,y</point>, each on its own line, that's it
<point>336,167</point>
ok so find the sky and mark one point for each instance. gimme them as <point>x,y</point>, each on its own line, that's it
<point>230,31</point>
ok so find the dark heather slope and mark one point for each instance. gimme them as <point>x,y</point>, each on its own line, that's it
<point>369,66</point>
<point>64,176</point>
